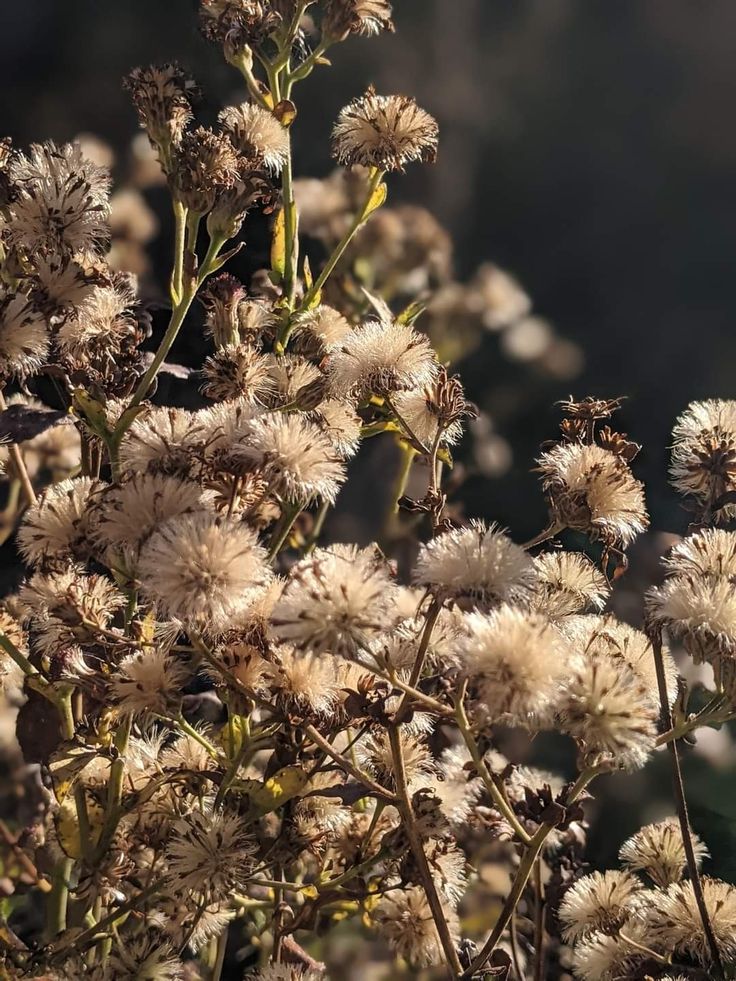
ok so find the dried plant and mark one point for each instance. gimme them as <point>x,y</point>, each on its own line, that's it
<point>236,737</point>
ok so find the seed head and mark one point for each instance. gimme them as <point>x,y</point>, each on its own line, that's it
<point>600,901</point>
<point>384,131</point>
<point>657,850</point>
<point>24,338</point>
<point>162,96</point>
<point>704,454</point>
<point>366,17</point>
<point>257,135</point>
<point>568,583</point>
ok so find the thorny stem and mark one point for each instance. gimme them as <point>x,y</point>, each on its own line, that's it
<point>682,809</point>
<point>19,464</point>
<point>531,853</point>
<point>415,841</point>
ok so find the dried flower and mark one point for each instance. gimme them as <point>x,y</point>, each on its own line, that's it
<point>600,901</point>
<point>318,330</point>
<point>336,600</point>
<point>209,853</point>
<point>258,135</point>
<point>367,17</point>
<point>238,371</point>
<point>149,681</point>
<point>340,424</point>
<point>710,552</point>
<point>381,358</point>
<point>658,850</point>
<point>62,202</point>
<point>57,526</point>
<point>237,23</point>
<point>205,167</point>
<point>675,922</point>
<point>294,456</point>
<point>567,583</point>
<point>162,96</point>
<point>477,562</point>
<point>24,338</point>
<point>101,325</point>
<point>404,919</point>
<point>608,711</point>
<point>601,957</point>
<point>127,513</point>
<point>161,441</point>
<point>435,412</point>
<point>699,610</point>
<point>592,490</point>
<point>517,661</point>
<point>704,454</point>
<point>384,131</point>
<point>202,569</point>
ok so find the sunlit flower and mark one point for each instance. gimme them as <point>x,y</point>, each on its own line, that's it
<point>62,203</point>
<point>161,441</point>
<point>608,711</point>
<point>476,562</point>
<point>698,610</point>
<point>593,490</point>
<point>567,583</point>
<point>704,453</point>
<point>710,552</point>
<point>127,513</point>
<point>318,330</point>
<point>404,919</point>
<point>674,921</point>
<point>367,17</point>
<point>516,661</point>
<point>58,525</point>
<point>202,569</point>
<point>380,358</point>
<point>162,95</point>
<point>599,901</point>
<point>24,338</point>
<point>336,600</point>
<point>210,853</point>
<point>658,850</point>
<point>384,131</point>
<point>257,134</point>
<point>149,681</point>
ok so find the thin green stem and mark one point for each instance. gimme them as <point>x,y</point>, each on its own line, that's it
<point>58,899</point>
<point>530,855</point>
<point>220,957</point>
<point>180,224</point>
<point>283,530</point>
<point>487,777</point>
<point>19,464</point>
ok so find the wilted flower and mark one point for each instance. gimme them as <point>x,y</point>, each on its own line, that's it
<point>476,562</point>
<point>62,202</point>
<point>404,919</point>
<point>567,583</point>
<point>591,489</point>
<point>101,324</point>
<point>340,424</point>
<point>160,441</point>
<point>381,358</point>
<point>516,660</point>
<point>674,921</point>
<point>600,901</point>
<point>602,957</point>
<point>145,956</point>
<point>210,853</point>
<point>704,454</point>
<point>384,131</point>
<point>237,23</point>
<point>658,850</point>
<point>204,167</point>
<point>258,135</point>
<point>202,569</point>
<point>336,600</point>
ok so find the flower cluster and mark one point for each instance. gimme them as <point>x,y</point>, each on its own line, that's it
<point>247,732</point>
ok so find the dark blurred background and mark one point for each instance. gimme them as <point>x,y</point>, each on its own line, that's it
<point>588,146</point>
